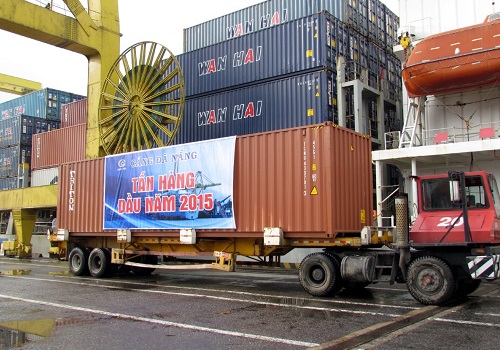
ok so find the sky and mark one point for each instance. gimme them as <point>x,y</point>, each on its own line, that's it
<point>161,21</point>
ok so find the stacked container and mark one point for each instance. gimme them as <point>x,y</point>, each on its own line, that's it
<point>15,147</point>
<point>74,113</point>
<point>368,17</point>
<point>45,103</point>
<point>273,66</point>
<point>38,116</point>
<point>69,141</point>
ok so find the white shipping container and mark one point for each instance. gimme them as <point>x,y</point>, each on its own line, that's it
<point>44,177</point>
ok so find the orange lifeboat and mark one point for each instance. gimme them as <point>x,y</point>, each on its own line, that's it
<point>458,60</point>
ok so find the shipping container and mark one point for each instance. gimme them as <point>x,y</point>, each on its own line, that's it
<point>264,55</point>
<point>45,103</point>
<point>20,129</point>
<point>44,177</point>
<point>287,178</point>
<point>274,12</point>
<point>12,160</point>
<point>279,104</point>
<point>74,113</point>
<point>58,146</point>
<point>8,183</point>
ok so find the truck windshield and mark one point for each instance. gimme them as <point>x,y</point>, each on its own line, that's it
<point>494,194</point>
<point>436,194</point>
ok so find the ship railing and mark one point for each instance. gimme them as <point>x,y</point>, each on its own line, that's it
<point>391,139</point>
<point>462,134</point>
<point>448,135</point>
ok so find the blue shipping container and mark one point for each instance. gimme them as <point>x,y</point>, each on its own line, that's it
<point>19,130</point>
<point>273,12</point>
<point>8,183</point>
<point>45,103</point>
<point>11,158</point>
<point>279,104</point>
<point>309,43</point>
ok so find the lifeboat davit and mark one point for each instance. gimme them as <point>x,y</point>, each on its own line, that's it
<point>458,60</point>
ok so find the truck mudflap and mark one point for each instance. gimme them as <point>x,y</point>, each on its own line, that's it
<point>484,266</point>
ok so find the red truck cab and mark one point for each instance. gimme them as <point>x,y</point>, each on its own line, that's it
<point>443,221</point>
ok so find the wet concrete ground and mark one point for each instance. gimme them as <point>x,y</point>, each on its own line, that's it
<point>209,309</point>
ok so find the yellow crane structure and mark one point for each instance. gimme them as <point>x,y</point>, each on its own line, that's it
<point>18,86</point>
<point>94,33</point>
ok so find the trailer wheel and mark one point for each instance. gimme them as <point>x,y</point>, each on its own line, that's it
<point>78,261</point>
<point>431,281</point>
<point>99,263</point>
<point>319,275</point>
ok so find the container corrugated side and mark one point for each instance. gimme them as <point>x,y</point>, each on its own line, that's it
<point>45,103</point>
<point>74,113</point>
<point>80,197</point>
<point>313,182</point>
<point>279,104</point>
<point>8,183</point>
<point>263,55</point>
<point>20,129</point>
<point>44,177</point>
<point>12,157</point>
<point>58,146</point>
<point>254,18</point>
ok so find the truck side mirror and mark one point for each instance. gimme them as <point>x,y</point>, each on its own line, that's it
<point>455,195</point>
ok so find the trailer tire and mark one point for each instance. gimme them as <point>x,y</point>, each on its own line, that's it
<point>113,268</point>
<point>319,275</point>
<point>431,281</point>
<point>78,261</point>
<point>99,263</point>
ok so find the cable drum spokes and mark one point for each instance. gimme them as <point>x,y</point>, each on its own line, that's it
<point>142,100</point>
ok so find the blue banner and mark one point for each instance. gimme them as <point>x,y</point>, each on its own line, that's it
<point>175,187</point>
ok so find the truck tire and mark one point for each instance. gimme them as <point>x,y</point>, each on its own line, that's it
<point>78,261</point>
<point>99,263</point>
<point>319,275</point>
<point>336,260</point>
<point>431,281</point>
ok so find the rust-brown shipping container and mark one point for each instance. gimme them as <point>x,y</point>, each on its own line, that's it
<point>313,182</point>
<point>50,149</point>
<point>74,113</point>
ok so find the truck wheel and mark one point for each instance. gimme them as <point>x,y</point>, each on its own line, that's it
<point>99,263</point>
<point>319,275</point>
<point>431,281</point>
<point>78,261</point>
<point>336,260</point>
